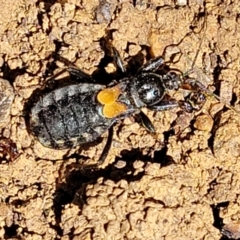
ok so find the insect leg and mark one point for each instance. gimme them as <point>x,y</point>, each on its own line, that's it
<point>112,52</point>
<point>146,122</point>
<point>152,65</point>
<point>107,147</point>
<point>103,155</point>
<point>164,105</point>
<point>80,75</point>
<point>194,102</point>
<point>117,60</point>
<point>74,71</point>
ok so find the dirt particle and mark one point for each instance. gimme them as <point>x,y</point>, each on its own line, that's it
<point>104,11</point>
<point>204,123</point>
<point>6,99</point>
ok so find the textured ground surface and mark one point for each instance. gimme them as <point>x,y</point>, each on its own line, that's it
<point>175,186</point>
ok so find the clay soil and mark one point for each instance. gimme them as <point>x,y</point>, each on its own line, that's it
<point>183,183</point>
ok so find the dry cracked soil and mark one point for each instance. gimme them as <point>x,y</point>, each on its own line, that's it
<point>182,183</point>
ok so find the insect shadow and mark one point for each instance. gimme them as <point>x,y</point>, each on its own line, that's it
<point>218,221</point>
<point>72,189</point>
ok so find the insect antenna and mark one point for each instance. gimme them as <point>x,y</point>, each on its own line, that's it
<point>195,69</point>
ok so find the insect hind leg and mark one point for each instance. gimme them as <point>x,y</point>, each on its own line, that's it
<point>79,75</point>
<point>102,157</point>
<point>75,73</point>
<point>106,148</point>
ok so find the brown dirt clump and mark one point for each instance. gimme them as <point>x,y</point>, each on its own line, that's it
<point>182,183</point>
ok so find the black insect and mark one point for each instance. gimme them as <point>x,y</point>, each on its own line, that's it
<point>81,113</point>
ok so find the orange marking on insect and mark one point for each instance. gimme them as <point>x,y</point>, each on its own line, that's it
<point>108,97</point>
<point>114,109</point>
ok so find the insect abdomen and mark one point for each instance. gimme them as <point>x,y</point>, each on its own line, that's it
<point>68,117</point>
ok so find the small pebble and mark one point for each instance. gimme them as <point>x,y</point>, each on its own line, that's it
<point>6,99</point>
<point>204,123</point>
